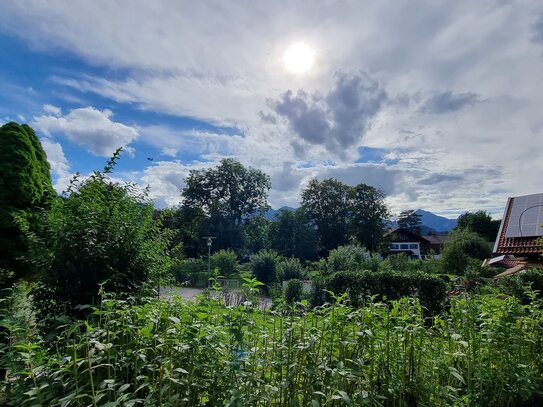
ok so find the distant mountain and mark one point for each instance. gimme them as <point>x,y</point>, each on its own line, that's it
<point>271,212</point>
<point>436,222</point>
<point>431,223</point>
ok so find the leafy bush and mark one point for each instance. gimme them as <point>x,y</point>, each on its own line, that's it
<point>226,261</point>
<point>264,266</point>
<point>463,245</point>
<point>294,290</point>
<point>398,262</point>
<point>348,258</point>
<point>389,285</point>
<point>100,235</point>
<point>523,285</point>
<point>290,268</point>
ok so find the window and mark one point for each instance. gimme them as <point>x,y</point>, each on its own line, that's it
<point>394,246</point>
<point>414,246</point>
<point>404,246</point>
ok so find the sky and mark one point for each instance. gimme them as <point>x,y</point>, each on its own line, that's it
<point>437,103</point>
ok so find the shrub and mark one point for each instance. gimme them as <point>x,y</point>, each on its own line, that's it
<point>192,272</point>
<point>100,235</point>
<point>264,266</point>
<point>389,285</point>
<point>294,290</point>
<point>463,245</point>
<point>226,261</point>
<point>523,285</point>
<point>289,269</point>
<point>350,257</point>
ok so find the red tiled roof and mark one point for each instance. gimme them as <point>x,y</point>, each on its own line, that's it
<point>515,245</point>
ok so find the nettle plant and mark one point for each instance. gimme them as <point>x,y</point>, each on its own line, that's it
<point>486,351</point>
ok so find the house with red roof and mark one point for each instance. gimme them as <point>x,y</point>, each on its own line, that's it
<point>519,244</point>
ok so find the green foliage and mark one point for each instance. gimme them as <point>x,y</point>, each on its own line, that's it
<point>326,204</point>
<point>184,224</point>
<point>462,245</point>
<point>294,290</point>
<point>101,234</point>
<point>340,212</point>
<point>255,234</point>
<point>226,261</point>
<point>291,234</point>
<point>290,268</point>
<point>190,272</point>
<point>264,266</point>
<point>390,285</point>
<point>524,286</point>
<point>486,351</point>
<point>410,220</point>
<point>25,188</point>
<point>349,258</point>
<point>369,215</point>
<point>481,223</point>
<point>228,194</point>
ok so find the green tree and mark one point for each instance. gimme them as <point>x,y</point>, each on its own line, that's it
<point>25,190</point>
<point>101,234</point>
<point>185,224</point>
<point>462,246</point>
<point>369,215</point>
<point>327,205</point>
<point>481,223</point>
<point>291,234</point>
<point>341,212</point>
<point>228,194</point>
<point>255,231</point>
<point>410,220</point>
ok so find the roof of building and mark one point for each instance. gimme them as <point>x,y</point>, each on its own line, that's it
<point>406,232</point>
<point>437,239</point>
<point>517,235</point>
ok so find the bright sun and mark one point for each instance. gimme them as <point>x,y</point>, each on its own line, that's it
<point>299,57</point>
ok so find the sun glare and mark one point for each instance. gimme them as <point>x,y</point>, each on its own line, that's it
<point>299,58</point>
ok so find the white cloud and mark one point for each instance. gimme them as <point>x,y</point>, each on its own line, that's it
<point>461,124</point>
<point>89,127</point>
<point>58,162</point>
<point>53,110</point>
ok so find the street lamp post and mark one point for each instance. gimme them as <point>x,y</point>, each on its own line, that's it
<point>209,242</point>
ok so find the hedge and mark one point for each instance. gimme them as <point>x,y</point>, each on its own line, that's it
<point>385,285</point>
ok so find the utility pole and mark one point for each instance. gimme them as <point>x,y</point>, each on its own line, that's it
<point>209,242</point>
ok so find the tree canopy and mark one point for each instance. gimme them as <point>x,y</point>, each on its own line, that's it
<point>25,187</point>
<point>410,220</point>
<point>229,190</point>
<point>327,204</point>
<point>291,234</point>
<point>481,223</point>
<point>229,194</point>
<point>341,212</point>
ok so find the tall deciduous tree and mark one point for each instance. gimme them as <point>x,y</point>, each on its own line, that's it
<point>341,212</point>
<point>327,204</point>
<point>25,188</point>
<point>369,214</point>
<point>481,223</point>
<point>228,194</point>
<point>291,234</point>
<point>410,220</point>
